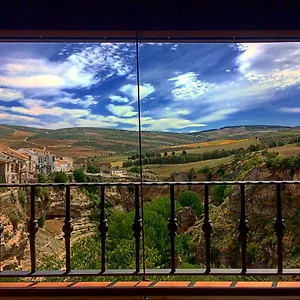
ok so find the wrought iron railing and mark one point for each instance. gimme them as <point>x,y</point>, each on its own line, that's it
<point>137,228</point>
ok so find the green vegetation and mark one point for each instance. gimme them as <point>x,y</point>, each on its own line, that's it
<point>61,177</point>
<point>79,175</point>
<point>14,219</point>
<point>189,198</point>
<point>22,197</point>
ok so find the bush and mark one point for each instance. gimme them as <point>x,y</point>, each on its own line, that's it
<point>79,175</point>
<point>14,219</point>
<point>91,169</point>
<point>162,206</point>
<point>219,193</point>
<point>60,177</point>
<point>134,169</point>
<point>22,197</point>
<point>42,219</point>
<point>192,199</point>
<point>42,178</point>
<point>70,177</point>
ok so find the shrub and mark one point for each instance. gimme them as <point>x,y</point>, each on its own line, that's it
<point>134,169</point>
<point>22,197</point>
<point>14,219</point>
<point>60,177</point>
<point>41,178</point>
<point>42,219</point>
<point>192,199</point>
<point>91,169</point>
<point>219,193</point>
<point>162,206</point>
<point>79,175</point>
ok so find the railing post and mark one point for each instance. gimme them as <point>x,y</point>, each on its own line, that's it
<point>243,229</point>
<point>32,229</point>
<point>1,236</point>
<point>279,227</point>
<point>67,229</point>
<point>207,228</point>
<point>137,229</point>
<point>102,227</point>
<point>172,227</point>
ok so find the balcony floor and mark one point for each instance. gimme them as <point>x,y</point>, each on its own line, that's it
<point>153,290</point>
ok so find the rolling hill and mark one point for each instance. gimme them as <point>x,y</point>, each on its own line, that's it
<point>90,141</point>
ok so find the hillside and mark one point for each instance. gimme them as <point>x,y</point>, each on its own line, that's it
<point>89,141</point>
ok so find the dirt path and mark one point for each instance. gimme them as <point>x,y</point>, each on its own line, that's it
<point>26,140</point>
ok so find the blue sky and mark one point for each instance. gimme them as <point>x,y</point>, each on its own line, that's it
<point>183,87</point>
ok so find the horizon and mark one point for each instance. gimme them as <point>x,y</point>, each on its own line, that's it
<point>184,88</point>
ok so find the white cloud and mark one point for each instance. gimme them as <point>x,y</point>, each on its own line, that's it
<point>16,118</point>
<point>81,69</point>
<point>131,91</point>
<point>171,123</point>
<point>290,109</point>
<point>86,101</point>
<point>122,110</point>
<point>217,115</point>
<point>115,98</point>
<point>7,95</point>
<point>188,87</point>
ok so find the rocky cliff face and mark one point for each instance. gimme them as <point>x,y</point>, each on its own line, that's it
<point>261,212</point>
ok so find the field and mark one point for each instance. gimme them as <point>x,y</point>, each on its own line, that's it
<point>198,148</point>
<point>165,171</point>
<point>287,150</point>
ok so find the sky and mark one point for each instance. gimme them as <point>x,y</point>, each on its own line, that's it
<point>183,87</point>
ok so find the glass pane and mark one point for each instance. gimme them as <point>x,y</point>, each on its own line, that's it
<point>221,112</point>
<point>68,113</point>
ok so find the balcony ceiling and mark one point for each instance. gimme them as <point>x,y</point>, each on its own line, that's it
<point>152,16</point>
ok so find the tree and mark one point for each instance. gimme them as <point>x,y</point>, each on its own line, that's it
<point>165,154</point>
<point>91,169</point>
<point>41,178</point>
<point>60,177</point>
<point>184,152</point>
<point>173,153</point>
<point>192,199</point>
<point>219,193</point>
<point>79,175</point>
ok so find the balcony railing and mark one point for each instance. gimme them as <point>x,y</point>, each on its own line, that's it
<point>207,228</point>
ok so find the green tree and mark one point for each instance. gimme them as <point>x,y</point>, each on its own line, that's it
<point>219,193</point>
<point>192,199</point>
<point>41,178</point>
<point>91,169</point>
<point>60,177</point>
<point>79,175</point>
<point>165,154</point>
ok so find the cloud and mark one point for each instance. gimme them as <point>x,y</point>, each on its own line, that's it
<point>7,95</point>
<point>120,99</point>
<point>86,101</point>
<point>218,115</point>
<point>290,109</point>
<point>17,118</point>
<point>85,67</point>
<point>171,123</point>
<point>122,111</point>
<point>131,91</point>
<point>188,87</point>
<point>35,107</point>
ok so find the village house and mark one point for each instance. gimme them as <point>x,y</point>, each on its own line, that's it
<point>63,164</point>
<point>45,161</point>
<point>16,167</point>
